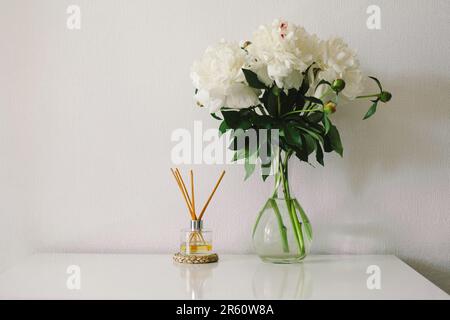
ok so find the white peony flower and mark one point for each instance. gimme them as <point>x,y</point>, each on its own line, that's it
<point>338,61</point>
<point>219,79</point>
<point>280,52</point>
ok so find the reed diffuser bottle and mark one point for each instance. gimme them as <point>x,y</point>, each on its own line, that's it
<point>195,242</point>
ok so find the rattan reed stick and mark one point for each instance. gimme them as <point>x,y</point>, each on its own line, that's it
<point>184,195</point>
<point>185,191</point>
<point>192,192</point>
<point>210,196</point>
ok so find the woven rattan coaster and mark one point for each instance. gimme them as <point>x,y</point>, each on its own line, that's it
<point>193,259</point>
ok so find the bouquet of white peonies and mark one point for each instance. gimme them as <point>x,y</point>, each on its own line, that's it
<point>284,78</point>
<point>288,80</point>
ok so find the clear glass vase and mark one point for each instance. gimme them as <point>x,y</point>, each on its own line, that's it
<point>282,232</point>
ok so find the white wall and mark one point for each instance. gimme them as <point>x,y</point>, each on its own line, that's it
<point>86,118</point>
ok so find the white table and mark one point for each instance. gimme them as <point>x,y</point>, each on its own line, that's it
<point>131,276</point>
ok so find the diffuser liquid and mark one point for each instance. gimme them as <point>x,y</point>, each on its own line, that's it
<point>196,248</point>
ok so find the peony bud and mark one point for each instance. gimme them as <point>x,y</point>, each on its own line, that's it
<point>329,107</point>
<point>385,96</point>
<point>276,91</point>
<point>338,85</point>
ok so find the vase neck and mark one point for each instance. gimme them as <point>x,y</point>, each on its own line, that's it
<point>281,187</point>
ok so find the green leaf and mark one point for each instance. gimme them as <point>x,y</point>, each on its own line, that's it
<point>305,86</point>
<point>252,79</point>
<point>237,119</point>
<point>335,140</point>
<point>319,153</point>
<point>270,102</point>
<point>250,163</point>
<point>315,117</point>
<point>321,82</point>
<point>297,121</point>
<point>249,169</point>
<point>238,155</point>
<point>232,118</point>
<point>312,134</point>
<point>377,81</point>
<point>244,124</point>
<point>300,102</point>
<point>326,123</point>
<point>305,82</point>
<point>302,155</point>
<point>293,135</point>
<point>371,110</point>
<point>327,145</point>
<point>261,121</point>
<point>291,99</point>
<point>238,140</point>
<point>223,128</point>
<point>314,100</point>
<point>265,150</point>
<point>309,144</point>
<point>266,160</point>
<point>215,116</point>
<point>234,145</point>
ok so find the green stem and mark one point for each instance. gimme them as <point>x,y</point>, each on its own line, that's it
<point>279,104</point>
<point>259,217</point>
<point>329,90</point>
<point>299,111</point>
<point>277,177</point>
<point>368,96</point>
<point>281,226</point>
<point>283,170</point>
<point>290,206</point>
<point>277,183</point>
<point>305,220</point>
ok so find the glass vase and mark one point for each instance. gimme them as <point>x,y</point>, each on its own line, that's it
<point>282,232</point>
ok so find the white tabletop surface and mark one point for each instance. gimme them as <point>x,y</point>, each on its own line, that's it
<point>145,276</point>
